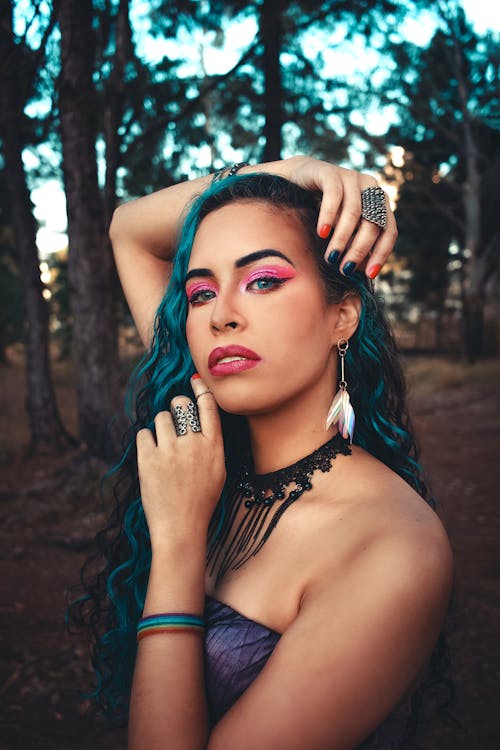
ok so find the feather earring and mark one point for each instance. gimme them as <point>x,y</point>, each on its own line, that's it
<point>341,411</point>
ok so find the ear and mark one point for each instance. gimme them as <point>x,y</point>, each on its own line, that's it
<point>345,317</point>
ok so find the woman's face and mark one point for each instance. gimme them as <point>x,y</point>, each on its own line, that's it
<point>259,328</point>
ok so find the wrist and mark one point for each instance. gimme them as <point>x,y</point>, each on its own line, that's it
<point>185,529</point>
<point>169,549</point>
<point>176,579</point>
<point>281,168</point>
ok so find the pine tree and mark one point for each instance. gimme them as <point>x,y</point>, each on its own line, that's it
<point>448,96</point>
<point>90,264</point>
<point>19,65</point>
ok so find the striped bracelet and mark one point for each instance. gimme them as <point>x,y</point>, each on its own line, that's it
<point>174,622</point>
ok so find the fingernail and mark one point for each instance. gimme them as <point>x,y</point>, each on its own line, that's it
<point>196,376</point>
<point>334,256</point>
<point>374,270</point>
<point>325,231</point>
<point>349,268</point>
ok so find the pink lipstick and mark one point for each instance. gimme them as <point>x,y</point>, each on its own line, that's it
<point>229,360</point>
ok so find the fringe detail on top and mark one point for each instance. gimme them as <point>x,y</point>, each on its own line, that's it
<point>265,498</point>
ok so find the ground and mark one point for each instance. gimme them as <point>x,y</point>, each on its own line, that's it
<point>48,516</point>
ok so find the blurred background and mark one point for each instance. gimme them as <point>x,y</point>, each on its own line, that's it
<point>105,100</point>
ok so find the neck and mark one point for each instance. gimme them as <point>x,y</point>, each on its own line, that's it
<point>281,438</point>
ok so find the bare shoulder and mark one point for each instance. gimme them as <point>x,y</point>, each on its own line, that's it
<point>386,522</point>
<point>385,495</point>
<point>374,602</point>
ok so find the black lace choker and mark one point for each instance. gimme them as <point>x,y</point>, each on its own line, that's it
<point>265,497</point>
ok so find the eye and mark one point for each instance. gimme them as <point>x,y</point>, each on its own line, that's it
<point>265,283</point>
<point>200,295</point>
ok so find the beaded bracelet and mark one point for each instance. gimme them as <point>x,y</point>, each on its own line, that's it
<point>219,175</point>
<point>173,622</point>
<point>236,167</point>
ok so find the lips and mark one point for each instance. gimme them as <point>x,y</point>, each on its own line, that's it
<point>225,360</point>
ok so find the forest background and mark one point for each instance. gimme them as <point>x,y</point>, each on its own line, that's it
<point>116,98</point>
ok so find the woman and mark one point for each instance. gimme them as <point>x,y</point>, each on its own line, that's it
<point>328,577</point>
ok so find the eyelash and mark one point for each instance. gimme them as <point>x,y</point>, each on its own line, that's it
<point>266,277</point>
<point>194,297</point>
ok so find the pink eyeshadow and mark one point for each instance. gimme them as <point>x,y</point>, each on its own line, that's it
<point>279,272</point>
<point>199,287</point>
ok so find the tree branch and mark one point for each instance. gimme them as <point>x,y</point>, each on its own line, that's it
<point>160,123</point>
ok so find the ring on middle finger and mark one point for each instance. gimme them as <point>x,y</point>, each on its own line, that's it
<point>180,420</point>
<point>193,418</point>
<point>373,207</point>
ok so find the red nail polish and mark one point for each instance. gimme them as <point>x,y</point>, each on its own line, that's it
<point>325,231</point>
<point>195,376</point>
<point>374,271</point>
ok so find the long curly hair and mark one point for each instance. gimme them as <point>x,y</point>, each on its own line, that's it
<point>115,579</point>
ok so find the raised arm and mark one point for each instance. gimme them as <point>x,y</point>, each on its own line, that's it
<point>143,232</point>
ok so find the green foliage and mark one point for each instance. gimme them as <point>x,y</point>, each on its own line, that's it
<point>438,90</point>
<point>168,112</point>
<point>426,232</point>
<point>193,109</point>
<point>37,68</point>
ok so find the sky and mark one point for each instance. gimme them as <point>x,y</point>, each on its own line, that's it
<point>49,200</point>
<point>484,14</point>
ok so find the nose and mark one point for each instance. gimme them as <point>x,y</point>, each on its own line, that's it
<point>225,314</point>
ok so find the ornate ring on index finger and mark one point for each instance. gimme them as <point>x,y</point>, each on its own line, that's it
<point>180,420</point>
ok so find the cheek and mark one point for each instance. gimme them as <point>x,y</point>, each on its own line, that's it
<point>303,341</point>
<point>194,340</point>
<point>302,320</point>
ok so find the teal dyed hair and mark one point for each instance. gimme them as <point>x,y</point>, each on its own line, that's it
<point>115,579</point>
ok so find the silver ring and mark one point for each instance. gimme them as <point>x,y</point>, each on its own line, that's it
<point>193,418</point>
<point>179,418</point>
<point>373,206</point>
<point>184,418</point>
<point>203,393</point>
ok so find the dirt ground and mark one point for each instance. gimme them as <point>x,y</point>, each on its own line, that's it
<point>48,517</point>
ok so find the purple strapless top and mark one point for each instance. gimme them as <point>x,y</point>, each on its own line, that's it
<point>236,649</point>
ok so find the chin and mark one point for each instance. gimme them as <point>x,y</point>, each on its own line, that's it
<point>240,407</point>
<point>248,401</point>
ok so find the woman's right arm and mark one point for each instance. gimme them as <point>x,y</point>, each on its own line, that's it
<point>144,231</point>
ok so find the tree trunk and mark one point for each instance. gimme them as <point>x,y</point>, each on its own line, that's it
<point>473,326</point>
<point>113,106</point>
<point>48,435</point>
<point>474,286</point>
<point>271,32</point>
<point>90,265</point>
<point>475,276</point>
<point>438,330</point>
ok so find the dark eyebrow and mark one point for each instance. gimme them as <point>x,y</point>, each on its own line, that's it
<point>240,263</point>
<point>252,257</point>
<point>203,272</point>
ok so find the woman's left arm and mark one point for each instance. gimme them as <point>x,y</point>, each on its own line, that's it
<point>168,705</point>
<point>181,479</point>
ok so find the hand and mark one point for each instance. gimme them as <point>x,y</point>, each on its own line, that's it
<point>341,209</point>
<point>181,477</point>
